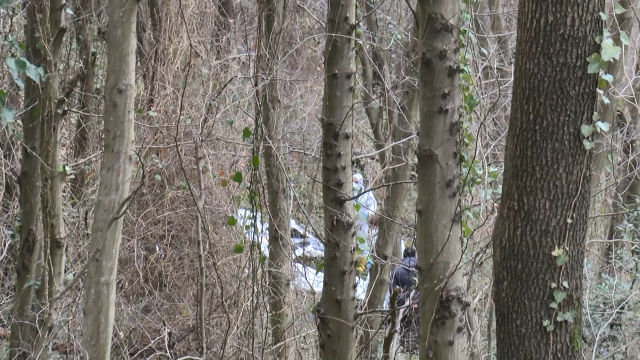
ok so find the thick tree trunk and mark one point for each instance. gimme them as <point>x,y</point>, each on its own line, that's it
<point>22,326</point>
<point>389,233</point>
<point>117,165</point>
<point>87,100</point>
<point>442,285</point>
<point>278,192</point>
<point>542,219</point>
<point>337,305</point>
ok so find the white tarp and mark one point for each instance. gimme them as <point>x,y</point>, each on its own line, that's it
<point>304,245</point>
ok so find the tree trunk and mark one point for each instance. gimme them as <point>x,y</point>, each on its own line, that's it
<point>87,88</point>
<point>156,11</point>
<point>117,165</point>
<point>608,113</point>
<point>22,327</point>
<point>539,235</point>
<point>53,246</point>
<point>337,305</point>
<point>442,285</point>
<point>278,192</point>
<point>389,233</point>
<point>624,21</point>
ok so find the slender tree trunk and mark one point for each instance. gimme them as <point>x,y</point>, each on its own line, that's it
<point>22,326</point>
<point>87,101</point>
<point>628,188</point>
<point>156,11</point>
<point>278,192</point>
<point>539,235</point>
<point>442,285</point>
<point>623,21</point>
<point>117,165</point>
<point>337,305</point>
<point>608,113</point>
<point>389,232</point>
<point>53,247</point>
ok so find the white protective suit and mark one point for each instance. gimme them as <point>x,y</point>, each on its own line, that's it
<point>366,205</point>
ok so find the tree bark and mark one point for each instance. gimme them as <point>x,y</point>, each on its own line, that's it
<point>53,246</point>
<point>22,326</point>
<point>117,165</point>
<point>442,285</point>
<point>278,192</point>
<point>337,305</point>
<point>156,11</point>
<point>608,113</point>
<point>87,88</point>
<point>542,218</point>
<point>389,233</point>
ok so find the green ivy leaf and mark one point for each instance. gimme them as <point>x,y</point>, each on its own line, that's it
<point>158,177</point>
<point>357,207</point>
<point>319,267</point>
<point>238,248</point>
<point>588,145</point>
<point>565,284</point>
<point>360,239</point>
<point>237,177</point>
<point>606,77</point>
<point>560,317</point>
<point>602,126</point>
<point>7,116</point>
<point>554,305</point>
<point>595,63</point>
<point>262,259</point>
<point>624,37</point>
<point>557,252</point>
<point>246,133</point>
<point>34,72</point>
<point>69,277</point>
<point>603,15</point>
<point>570,315</point>
<point>231,220</point>
<point>559,295</point>
<point>610,50</point>
<point>619,8</point>
<point>152,113</point>
<point>255,161</point>
<point>586,130</point>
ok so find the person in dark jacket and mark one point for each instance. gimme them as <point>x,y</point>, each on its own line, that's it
<point>404,275</point>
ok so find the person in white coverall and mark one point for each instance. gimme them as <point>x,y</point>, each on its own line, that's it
<point>366,207</point>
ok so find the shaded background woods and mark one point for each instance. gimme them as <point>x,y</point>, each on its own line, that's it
<point>227,115</point>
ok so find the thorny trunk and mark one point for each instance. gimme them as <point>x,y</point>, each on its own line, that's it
<point>545,198</point>
<point>22,327</point>
<point>337,305</point>
<point>117,165</point>
<point>389,233</point>
<point>443,300</point>
<point>87,100</point>
<point>278,192</point>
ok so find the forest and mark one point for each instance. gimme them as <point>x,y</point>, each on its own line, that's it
<point>334,180</point>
